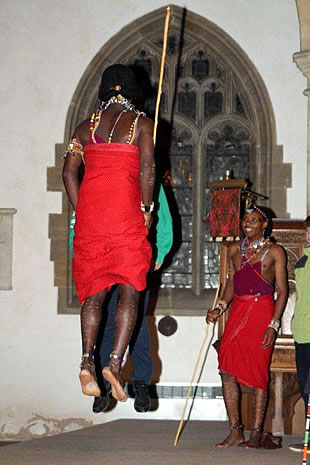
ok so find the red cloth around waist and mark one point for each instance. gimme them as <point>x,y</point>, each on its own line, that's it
<point>110,243</point>
<point>241,351</point>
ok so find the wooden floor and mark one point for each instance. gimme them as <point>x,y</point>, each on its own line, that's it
<point>143,442</point>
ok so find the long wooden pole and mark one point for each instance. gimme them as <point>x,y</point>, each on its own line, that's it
<point>194,373</point>
<point>161,73</point>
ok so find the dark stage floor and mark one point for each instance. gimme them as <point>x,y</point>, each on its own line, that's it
<point>143,442</point>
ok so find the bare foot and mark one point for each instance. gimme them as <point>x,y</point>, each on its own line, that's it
<point>117,389</point>
<point>89,383</point>
<point>254,441</point>
<point>235,437</point>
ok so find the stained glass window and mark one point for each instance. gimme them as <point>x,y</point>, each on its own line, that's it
<point>197,127</point>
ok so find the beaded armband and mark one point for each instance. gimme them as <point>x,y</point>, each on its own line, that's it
<point>230,272</point>
<point>76,148</point>
<point>222,305</point>
<point>147,208</point>
<point>274,324</point>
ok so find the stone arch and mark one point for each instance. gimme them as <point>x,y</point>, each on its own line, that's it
<point>304,23</point>
<point>268,156</point>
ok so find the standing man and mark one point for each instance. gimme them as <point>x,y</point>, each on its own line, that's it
<point>301,321</point>
<point>139,347</point>
<point>256,265</point>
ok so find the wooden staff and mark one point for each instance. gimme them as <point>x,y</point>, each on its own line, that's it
<point>194,372</point>
<point>162,69</point>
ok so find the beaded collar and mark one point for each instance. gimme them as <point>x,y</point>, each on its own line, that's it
<point>121,101</point>
<point>250,250</point>
<point>96,117</point>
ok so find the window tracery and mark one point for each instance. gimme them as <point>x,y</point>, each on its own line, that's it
<point>228,92</point>
<point>205,88</point>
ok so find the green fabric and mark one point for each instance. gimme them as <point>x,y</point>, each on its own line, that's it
<point>71,231</point>
<point>162,219</point>
<point>301,318</point>
<point>164,231</point>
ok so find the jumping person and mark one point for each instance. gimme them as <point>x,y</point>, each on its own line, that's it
<point>113,208</point>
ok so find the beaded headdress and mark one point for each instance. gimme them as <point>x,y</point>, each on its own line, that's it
<point>266,217</point>
<point>250,210</point>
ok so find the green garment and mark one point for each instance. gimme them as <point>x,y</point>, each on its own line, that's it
<point>71,231</point>
<point>301,318</point>
<point>163,222</point>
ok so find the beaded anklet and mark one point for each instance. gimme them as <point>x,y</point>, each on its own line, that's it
<point>115,357</point>
<point>88,355</point>
<point>237,427</point>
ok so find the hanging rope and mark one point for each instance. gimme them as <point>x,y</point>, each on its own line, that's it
<point>161,73</point>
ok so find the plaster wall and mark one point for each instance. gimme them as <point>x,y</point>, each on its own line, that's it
<point>45,47</point>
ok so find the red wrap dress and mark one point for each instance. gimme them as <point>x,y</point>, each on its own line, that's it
<point>110,243</point>
<point>241,353</point>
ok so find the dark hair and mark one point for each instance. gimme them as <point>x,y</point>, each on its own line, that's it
<point>307,222</point>
<point>118,75</point>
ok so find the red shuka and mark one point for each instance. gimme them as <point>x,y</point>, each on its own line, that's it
<point>241,351</point>
<point>110,243</point>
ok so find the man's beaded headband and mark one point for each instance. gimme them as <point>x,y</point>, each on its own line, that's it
<point>250,210</point>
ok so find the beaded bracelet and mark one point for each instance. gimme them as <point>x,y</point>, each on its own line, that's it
<point>147,208</point>
<point>75,147</point>
<point>222,305</point>
<point>72,222</point>
<point>274,324</point>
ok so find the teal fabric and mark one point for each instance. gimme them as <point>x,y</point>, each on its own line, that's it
<point>163,221</point>
<point>164,229</point>
<point>301,318</point>
<point>71,231</point>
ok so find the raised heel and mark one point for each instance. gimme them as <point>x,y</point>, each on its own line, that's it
<point>88,379</point>
<point>117,389</point>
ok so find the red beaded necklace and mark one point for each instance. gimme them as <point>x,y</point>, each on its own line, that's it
<point>250,250</point>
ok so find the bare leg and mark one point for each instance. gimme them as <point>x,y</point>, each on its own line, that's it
<point>90,321</point>
<point>260,402</point>
<point>231,393</point>
<point>125,320</point>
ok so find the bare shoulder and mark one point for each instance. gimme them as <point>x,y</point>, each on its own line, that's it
<point>146,124</point>
<point>277,252</point>
<point>233,249</point>
<point>82,132</point>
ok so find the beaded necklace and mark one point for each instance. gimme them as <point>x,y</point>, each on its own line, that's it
<point>121,101</point>
<point>94,123</point>
<point>250,250</point>
<point>114,125</point>
<point>96,117</point>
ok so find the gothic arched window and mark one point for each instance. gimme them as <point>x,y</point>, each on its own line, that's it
<point>215,115</point>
